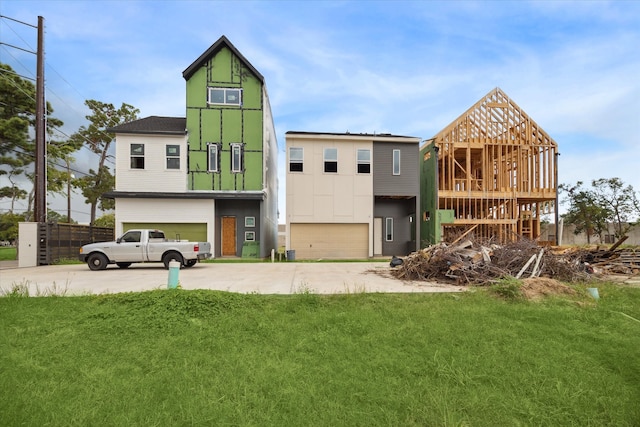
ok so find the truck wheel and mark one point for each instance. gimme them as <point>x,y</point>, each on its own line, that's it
<point>172,256</point>
<point>97,262</point>
<point>123,264</point>
<point>190,262</point>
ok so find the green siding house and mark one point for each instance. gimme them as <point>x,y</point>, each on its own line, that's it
<point>232,148</point>
<point>212,176</point>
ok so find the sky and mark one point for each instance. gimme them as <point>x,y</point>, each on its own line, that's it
<point>400,67</point>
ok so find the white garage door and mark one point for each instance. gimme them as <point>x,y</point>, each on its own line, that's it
<point>330,241</point>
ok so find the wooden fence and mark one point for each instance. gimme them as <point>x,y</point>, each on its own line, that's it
<point>63,241</point>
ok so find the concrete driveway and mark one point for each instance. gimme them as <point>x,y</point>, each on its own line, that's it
<point>263,278</point>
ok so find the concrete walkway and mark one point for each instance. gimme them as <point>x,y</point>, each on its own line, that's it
<point>263,278</point>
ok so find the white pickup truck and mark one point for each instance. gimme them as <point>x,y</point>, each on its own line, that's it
<point>143,246</point>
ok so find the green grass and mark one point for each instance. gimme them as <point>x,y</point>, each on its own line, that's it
<point>7,253</point>
<point>176,357</point>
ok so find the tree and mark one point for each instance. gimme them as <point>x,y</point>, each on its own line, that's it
<point>17,113</point>
<point>106,220</point>
<point>17,147</point>
<point>95,136</point>
<point>619,201</point>
<point>585,212</point>
<point>9,226</point>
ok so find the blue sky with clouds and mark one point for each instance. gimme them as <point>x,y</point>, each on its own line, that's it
<point>403,67</point>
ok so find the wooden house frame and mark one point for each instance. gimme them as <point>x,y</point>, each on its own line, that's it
<point>495,174</point>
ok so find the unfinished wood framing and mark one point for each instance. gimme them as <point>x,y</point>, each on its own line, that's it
<point>497,171</point>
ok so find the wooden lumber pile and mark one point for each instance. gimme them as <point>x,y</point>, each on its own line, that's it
<point>624,261</point>
<point>474,263</point>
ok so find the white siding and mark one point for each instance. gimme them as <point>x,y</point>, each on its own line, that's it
<point>314,196</point>
<point>155,176</point>
<point>166,210</point>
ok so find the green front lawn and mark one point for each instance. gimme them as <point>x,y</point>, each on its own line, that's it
<point>7,253</point>
<point>176,357</point>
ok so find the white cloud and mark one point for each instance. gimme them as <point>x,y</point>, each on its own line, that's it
<point>401,67</point>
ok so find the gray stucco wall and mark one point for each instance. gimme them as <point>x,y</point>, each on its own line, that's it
<point>400,210</point>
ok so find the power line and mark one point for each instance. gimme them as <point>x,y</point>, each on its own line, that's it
<point>50,66</point>
<point>19,22</point>
<point>51,162</point>
<point>16,74</point>
<point>54,210</point>
<point>65,134</point>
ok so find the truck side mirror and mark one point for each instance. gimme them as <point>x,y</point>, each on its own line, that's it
<point>119,239</point>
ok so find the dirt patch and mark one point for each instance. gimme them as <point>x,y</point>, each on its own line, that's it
<point>539,287</point>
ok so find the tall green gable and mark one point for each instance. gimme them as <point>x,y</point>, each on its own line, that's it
<point>219,118</point>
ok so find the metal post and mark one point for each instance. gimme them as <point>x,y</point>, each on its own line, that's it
<point>69,177</point>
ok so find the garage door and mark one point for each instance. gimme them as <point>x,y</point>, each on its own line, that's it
<point>192,232</point>
<point>330,241</point>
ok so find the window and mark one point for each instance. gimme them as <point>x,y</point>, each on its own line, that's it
<point>249,221</point>
<point>137,156</point>
<point>131,237</point>
<point>331,160</point>
<point>225,96</point>
<point>156,234</point>
<point>173,157</point>
<point>237,158</point>
<point>296,156</point>
<point>388,229</point>
<point>249,236</point>
<point>364,161</point>
<point>396,162</point>
<point>213,161</point>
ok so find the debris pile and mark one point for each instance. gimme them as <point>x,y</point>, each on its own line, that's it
<point>474,263</point>
<point>624,261</point>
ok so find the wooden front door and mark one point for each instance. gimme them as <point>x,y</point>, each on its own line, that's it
<point>229,236</point>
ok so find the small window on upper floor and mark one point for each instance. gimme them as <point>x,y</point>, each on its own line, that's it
<point>137,156</point>
<point>364,161</point>
<point>331,160</point>
<point>173,157</point>
<point>237,158</point>
<point>396,162</point>
<point>225,96</point>
<point>296,159</point>
<point>213,160</point>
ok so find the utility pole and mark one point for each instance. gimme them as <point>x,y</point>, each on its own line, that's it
<point>40,202</point>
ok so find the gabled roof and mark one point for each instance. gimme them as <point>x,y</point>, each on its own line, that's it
<point>153,125</point>
<point>494,117</point>
<point>212,51</point>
